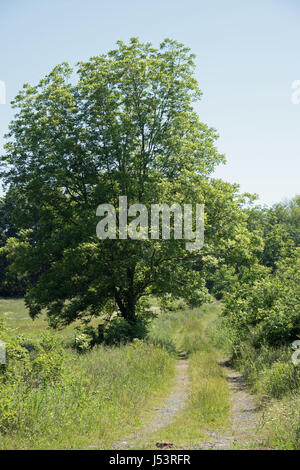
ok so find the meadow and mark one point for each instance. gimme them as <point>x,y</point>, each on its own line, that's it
<point>90,400</point>
<point>53,397</point>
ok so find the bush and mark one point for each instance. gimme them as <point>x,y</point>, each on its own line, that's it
<point>121,331</point>
<point>82,342</point>
<point>265,310</point>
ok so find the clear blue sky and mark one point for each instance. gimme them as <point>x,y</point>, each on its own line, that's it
<point>247,58</point>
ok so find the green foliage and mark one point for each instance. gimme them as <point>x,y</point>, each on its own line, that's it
<point>262,305</point>
<point>11,284</point>
<point>267,309</point>
<point>82,342</point>
<point>121,331</point>
<point>288,215</point>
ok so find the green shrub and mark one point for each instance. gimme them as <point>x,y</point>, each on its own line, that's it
<point>82,342</point>
<point>120,331</point>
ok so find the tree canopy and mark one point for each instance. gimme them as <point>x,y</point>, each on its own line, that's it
<point>125,126</point>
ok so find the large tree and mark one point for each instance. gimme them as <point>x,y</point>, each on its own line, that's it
<point>125,127</point>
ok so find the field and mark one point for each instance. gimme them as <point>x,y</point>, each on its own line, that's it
<point>83,401</point>
<point>173,388</point>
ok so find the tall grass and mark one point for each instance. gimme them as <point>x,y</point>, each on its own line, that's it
<point>164,327</point>
<point>98,397</point>
<point>281,427</point>
<point>209,397</point>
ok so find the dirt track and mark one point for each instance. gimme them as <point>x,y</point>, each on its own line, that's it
<point>244,416</point>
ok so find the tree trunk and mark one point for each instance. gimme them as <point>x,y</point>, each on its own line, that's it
<point>127,307</point>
